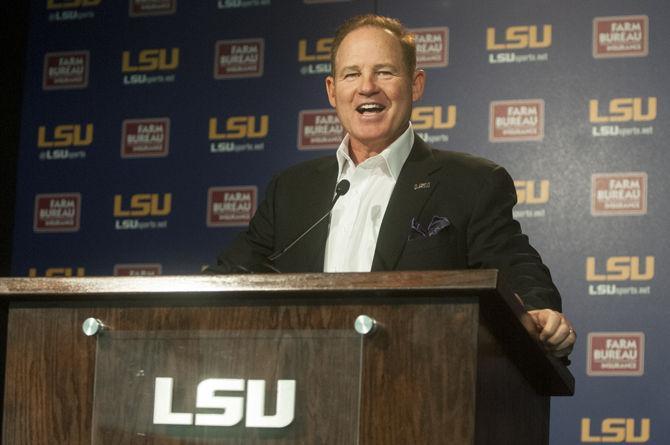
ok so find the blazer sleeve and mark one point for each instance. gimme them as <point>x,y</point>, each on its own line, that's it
<point>495,241</point>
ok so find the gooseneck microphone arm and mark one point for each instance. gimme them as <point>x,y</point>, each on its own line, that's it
<point>340,190</point>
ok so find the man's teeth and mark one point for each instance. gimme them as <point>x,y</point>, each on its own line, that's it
<point>370,108</point>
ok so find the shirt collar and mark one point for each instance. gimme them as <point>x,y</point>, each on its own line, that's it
<point>394,155</point>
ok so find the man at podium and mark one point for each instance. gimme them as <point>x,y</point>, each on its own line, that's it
<point>387,200</point>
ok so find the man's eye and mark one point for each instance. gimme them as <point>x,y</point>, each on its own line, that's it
<point>350,75</point>
<point>385,73</point>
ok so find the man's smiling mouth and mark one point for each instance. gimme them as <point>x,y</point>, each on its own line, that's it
<point>370,108</point>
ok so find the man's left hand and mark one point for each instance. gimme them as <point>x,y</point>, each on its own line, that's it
<point>555,331</point>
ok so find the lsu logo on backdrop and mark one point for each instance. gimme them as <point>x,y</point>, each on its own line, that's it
<point>622,36</point>
<point>432,47</point>
<point>239,58</point>
<point>140,8</point>
<point>65,141</point>
<point>137,270</point>
<point>617,274</point>
<point>623,110</point>
<point>70,9</point>
<point>145,138</point>
<point>238,133</point>
<point>503,45</point>
<point>616,430</point>
<point>148,66</point>
<point>231,206</point>
<point>57,212</point>
<point>531,193</point>
<point>66,70</point>
<point>142,211</point>
<point>615,354</point>
<point>517,120</point>
<point>319,130</point>
<point>235,4</point>
<point>314,56</point>
<point>67,272</point>
<point>431,122</point>
<point>618,194</point>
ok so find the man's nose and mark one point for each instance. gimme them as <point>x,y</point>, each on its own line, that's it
<point>368,84</point>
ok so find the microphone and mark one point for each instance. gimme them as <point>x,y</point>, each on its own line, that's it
<point>340,190</point>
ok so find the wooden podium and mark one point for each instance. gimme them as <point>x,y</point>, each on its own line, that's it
<point>453,359</point>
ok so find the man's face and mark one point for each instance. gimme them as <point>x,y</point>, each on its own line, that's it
<point>371,88</point>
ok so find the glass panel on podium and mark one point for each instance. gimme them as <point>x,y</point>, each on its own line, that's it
<point>242,387</point>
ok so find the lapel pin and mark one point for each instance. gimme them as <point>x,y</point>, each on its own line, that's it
<point>421,185</point>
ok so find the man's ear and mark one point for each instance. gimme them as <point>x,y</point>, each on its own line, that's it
<point>418,84</point>
<point>330,91</point>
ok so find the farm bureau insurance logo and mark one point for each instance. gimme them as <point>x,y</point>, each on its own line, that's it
<point>231,206</point>
<point>145,138</point>
<point>66,70</point>
<point>142,211</point>
<point>531,197</point>
<point>149,66</point>
<point>236,134</point>
<point>137,270</point>
<point>619,275</point>
<point>141,8</point>
<point>432,47</point>
<point>616,194</point>
<point>239,58</point>
<point>314,56</point>
<point>57,212</point>
<point>616,430</point>
<point>71,10</point>
<point>235,4</point>
<point>504,45</point>
<point>615,354</point>
<point>622,36</point>
<point>319,130</point>
<point>431,122</point>
<point>516,120</point>
<point>64,142</point>
<point>622,110</point>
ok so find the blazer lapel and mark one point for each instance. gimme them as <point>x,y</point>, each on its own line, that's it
<point>412,190</point>
<point>320,189</point>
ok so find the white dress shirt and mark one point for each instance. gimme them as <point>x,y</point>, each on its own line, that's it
<point>357,216</point>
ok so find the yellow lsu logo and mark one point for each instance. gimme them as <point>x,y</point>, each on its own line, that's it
<point>320,52</point>
<point>143,204</point>
<point>624,109</point>
<point>616,430</point>
<point>621,268</point>
<point>71,4</point>
<point>519,37</point>
<point>532,192</point>
<point>58,272</point>
<point>238,127</point>
<point>426,118</point>
<point>150,60</point>
<point>65,136</point>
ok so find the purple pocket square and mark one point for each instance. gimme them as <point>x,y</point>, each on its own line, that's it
<point>437,224</point>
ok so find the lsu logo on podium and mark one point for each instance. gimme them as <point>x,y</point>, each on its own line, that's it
<point>67,272</point>
<point>142,205</point>
<point>150,60</point>
<point>532,192</point>
<point>519,37</point>
<point>623,109</point>
<point>65,136</point>
<point>620,268</point>
<point>616,430</point>
<point>434,118</point>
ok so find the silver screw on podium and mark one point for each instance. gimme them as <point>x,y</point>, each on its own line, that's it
<point>365,325</point>
<point>92,326</point>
